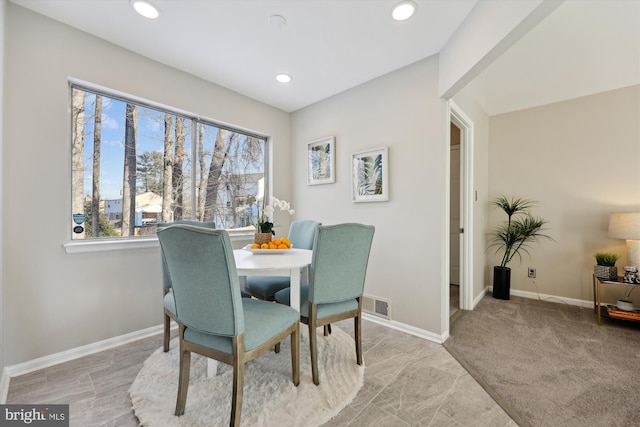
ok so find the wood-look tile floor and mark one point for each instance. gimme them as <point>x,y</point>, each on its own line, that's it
<point>408,381</point>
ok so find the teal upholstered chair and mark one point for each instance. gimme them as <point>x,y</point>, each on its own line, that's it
<point>336,283</point>
<point>214,320</point>
<point>167,296</point>
<point>301,235</point>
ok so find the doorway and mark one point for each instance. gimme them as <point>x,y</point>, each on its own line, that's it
<point>461,197</point>
<point>454,220</point>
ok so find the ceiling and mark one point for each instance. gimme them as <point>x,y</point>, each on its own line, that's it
<point>582,48</point>
<point>328,46</point>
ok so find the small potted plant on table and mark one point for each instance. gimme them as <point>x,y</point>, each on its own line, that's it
<point>605,267</point>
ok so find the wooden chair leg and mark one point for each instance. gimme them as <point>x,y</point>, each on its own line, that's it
<point>238,380</point>
<point>167,332</point>
<point>358,338</point>
<point>295,355</point>
<point>277,348</point>
<point>327,330</point>
<point>313,345</point>
<point>183,377</point>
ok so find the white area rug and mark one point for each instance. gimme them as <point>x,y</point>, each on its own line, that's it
<point>270,398</point>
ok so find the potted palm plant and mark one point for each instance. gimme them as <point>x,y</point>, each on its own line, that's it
<point>512,238</point>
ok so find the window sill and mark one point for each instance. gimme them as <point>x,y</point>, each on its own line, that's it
<point>104,245</point>
<point>84,246</point>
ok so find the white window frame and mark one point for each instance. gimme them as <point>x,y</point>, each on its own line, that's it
<point>145,242</point>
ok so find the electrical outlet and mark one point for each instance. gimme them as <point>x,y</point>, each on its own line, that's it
<point>532,273</point>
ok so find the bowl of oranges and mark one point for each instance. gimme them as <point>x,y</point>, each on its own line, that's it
<point>276,246</point>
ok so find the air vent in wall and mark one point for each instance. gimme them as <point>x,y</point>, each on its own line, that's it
<point>375,305</point>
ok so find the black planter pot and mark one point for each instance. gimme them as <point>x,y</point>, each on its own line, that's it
<point>501,282</point>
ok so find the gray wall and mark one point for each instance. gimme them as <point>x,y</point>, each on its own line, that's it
<point>582,167</point>
<point>2,53</point>
<point>61,301</point>
<point>402,111</point>
<point>581,160</point>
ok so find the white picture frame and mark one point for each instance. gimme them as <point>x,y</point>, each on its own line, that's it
<point>321,161</point>
<point>370,175</point>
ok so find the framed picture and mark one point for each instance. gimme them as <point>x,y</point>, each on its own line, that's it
<point>321,161</point>
<point>370,175</point>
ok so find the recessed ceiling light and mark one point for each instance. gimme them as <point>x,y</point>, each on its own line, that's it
<point>145,8</point>
<point>278,21</point>
<point>404,10</point>
<point>283,78</point>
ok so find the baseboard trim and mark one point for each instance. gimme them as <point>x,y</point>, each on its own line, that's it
<point>481,295</point>
<point>65,356</point>
<point>548,298</point>
<point>403,327</point>
<point>4,386</point>
<point>44,362</point>
<point>75,353</point>
<point>85,350</point>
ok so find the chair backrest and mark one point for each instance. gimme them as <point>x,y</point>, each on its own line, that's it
<point>166,282</point>
<point>202,270</point>
<point>302,233</point>
<point>339,263</point>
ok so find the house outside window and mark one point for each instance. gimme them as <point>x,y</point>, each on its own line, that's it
<point>136,164</point>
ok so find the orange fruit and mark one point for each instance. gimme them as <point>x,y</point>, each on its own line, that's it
<point>283,246</point>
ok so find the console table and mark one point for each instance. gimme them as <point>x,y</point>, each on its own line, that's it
<point>597,284</point>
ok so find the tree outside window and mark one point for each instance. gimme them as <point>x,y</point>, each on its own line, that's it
<point>134,166</point>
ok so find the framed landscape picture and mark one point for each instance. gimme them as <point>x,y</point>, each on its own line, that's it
<point>321,161</point>
<point>370,175</point>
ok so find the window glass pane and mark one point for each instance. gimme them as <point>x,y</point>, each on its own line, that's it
<point>231,169</point>
<point>134,166</point>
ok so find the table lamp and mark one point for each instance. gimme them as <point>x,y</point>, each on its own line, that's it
<point>627,226</point>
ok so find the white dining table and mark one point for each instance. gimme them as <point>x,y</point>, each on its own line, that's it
<point>290,262</point>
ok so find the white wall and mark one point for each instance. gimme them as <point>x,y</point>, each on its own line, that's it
<point>56,301</point>
<point>581,160</point>
<point>579,164</point>
<point>402,111</point>
<point>3,347</point>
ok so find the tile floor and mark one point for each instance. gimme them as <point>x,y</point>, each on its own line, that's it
<point>408,382</point>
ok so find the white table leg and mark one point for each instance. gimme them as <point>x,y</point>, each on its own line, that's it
<point>295,289</point>
<point>212,368</point>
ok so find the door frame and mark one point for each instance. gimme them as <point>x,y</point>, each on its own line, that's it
<point>467,195</point>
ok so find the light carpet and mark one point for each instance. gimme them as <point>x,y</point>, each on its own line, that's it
<point>550,364</point>
<point>270,398</point>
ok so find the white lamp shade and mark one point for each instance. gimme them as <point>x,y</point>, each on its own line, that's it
<point>624,226</point>
<point>627,226</point>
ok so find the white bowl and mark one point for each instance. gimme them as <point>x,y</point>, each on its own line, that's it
<point>625,305</point>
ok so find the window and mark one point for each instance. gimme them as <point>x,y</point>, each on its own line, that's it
<point>135,164</point>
